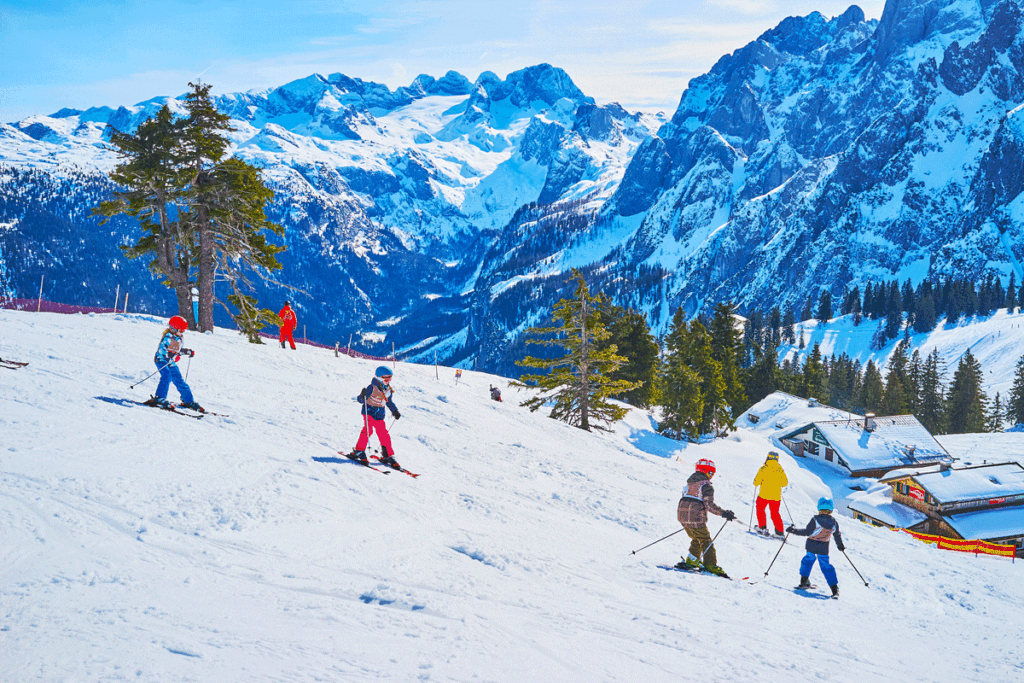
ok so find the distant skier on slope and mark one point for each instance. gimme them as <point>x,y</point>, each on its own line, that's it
<point>374,398</point>
<point>699,499</point>
<point>772,479</point>
<point>495,394</point>
<point>167,356</point>
<point>288,324</point>
<point>820,531</point>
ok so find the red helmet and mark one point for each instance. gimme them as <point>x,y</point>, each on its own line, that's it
<point>178,323</point>
<point>706,466</point>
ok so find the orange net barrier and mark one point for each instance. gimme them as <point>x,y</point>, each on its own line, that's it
<point>966,546</point>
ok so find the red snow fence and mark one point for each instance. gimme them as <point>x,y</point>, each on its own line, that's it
<point>976,547</point>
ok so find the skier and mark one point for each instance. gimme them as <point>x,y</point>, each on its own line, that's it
<point>699,499</point>
<point>167,356</point>
<point>495,394</point>
<point>374,398</point>
<point>819,531</point>
<point>288,324</point>
<point>771,478</point>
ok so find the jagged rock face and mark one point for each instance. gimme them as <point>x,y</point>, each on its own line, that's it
<point>847,151</point>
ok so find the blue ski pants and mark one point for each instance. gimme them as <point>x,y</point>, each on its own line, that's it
<point>170,373</point>
<point>807,564</point>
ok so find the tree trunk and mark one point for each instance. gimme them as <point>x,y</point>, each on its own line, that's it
<point>206,273</point>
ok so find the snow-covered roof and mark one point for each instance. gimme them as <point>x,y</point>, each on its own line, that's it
<point>981,447</point>
<point>780,410</point>
<point>973,483</point>
<point>877,503</point>
<point>987,524</point>
<point>896,441</point>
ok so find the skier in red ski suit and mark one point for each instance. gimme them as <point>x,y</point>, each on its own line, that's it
<point>288,324</point>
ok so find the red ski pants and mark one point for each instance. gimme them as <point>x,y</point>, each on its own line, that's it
<point>286,335</point>
<point>772,505</point>
<point>371,425</point>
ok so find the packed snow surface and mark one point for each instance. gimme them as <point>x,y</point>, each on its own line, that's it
<point>140,545</point>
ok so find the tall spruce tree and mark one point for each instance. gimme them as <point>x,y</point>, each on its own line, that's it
<point>996,415</point>
<point>1015,401</point>
<point>577,384</point>
<point>932,409</point>
<point>726,349</point>
<point>894,398</point>
<point>682,398</point>
<point>967,402</point>
<point>872,389</point>
<point>629,333</point>
<point>825,307</point>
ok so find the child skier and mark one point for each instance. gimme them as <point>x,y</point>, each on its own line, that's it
<point>374,398</point>
<point>820,529</point>
<point>699,499</point>
<point>288,324</point>
<point>167,356</point>
<point>771,478</point>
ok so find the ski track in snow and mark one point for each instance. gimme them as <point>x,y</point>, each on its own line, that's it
<point>143,546</point>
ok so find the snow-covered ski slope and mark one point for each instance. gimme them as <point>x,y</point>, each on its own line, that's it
<point>139,545</point>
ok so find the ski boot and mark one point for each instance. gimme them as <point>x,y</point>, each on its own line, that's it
<point>360,456</point>
<point>780,535</point>
<point>390,462</point>
<point>805,582</point>
<point>688,564</point>
<point>192,405</point>
<point>763,530</point>
<point>716,570</point>
<point>157,402</point>
<point>835,591</point>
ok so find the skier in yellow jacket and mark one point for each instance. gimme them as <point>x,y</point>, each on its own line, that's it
<point>772,479</point>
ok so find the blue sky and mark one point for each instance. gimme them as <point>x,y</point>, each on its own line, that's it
<point>56,54</point>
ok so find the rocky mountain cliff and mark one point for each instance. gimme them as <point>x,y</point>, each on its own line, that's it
<point>443,216</point>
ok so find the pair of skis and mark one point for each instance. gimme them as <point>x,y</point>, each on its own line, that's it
<point>12,364</point>
<point>180,410</point>
<point>351,456</point>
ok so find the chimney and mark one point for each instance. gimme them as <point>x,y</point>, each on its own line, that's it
<point>869,422</point>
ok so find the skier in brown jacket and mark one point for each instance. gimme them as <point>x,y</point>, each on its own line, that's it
<point>699,499</point>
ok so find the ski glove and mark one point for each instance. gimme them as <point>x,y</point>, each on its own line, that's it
<point>790,529</point>
<point>842,548</point>
<point>362,396</point>
<point>729,515</point>
<point>397,414</point>
<point>188,352</point>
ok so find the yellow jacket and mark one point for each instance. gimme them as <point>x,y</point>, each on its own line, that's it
<point>771,479</point>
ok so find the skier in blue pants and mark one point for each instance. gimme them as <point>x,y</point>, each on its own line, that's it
<point>167,355</point>
<point>819,531</point>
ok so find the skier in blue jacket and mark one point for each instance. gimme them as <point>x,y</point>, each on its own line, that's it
<point>167,355</point>
<point>819,531</point>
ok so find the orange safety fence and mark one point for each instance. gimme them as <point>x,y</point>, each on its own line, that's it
<point>966,546</point>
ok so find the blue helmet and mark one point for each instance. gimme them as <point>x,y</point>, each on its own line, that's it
<point>383,371</point>
<point>825,503</point>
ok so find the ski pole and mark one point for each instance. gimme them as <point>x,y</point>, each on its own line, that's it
<point>712,544</point>
<point>658,541</point>
<point>148,376</point>
<point>787,509</point>
<point>854,568</point>
<point>777,554</point>
<point>753,505</point>
<point>187,366</point>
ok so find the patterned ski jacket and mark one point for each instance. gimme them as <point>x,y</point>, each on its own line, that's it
<point>820,530</point>
<point>698,499</point>
<point>288,318</point>
<point>375,397</point>
<point>771,478</point>
<point>170,346</point>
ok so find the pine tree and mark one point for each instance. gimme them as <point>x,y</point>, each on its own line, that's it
<point>726,346</point>
<point>789,327</point>
<point>894,399</point>
<point>915,373</point>
<point>814,378</point>
<point>1011,302</point>
<point>966,404</point>
<point>807,312</point>
<point>763,377</point>
<point>825,307</point>
<point>578,383</point>
<point>630,334</point>
<point>775,325</point>
<point>872,389</point>
<point>996,415</point>
<point>1015,401</point>
<point>682,399</point>
<point>932,409</point>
